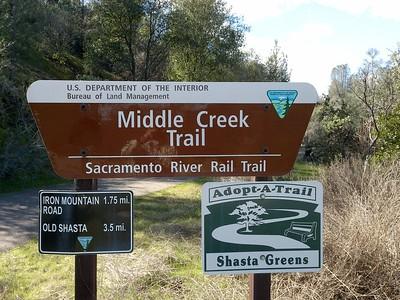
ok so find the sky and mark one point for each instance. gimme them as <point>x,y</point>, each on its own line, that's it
<point>318,35</point>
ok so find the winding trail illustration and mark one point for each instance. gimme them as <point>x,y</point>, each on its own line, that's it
<point>229,234</point>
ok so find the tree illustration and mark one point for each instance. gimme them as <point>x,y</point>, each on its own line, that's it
<point>286,105</point>
<point>249,214</point>
<point>283,106</point>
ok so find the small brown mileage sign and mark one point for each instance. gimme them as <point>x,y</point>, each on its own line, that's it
<point>105,129</point>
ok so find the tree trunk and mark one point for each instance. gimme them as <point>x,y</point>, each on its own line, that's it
<point>247,227</point>
<point>133,64</point>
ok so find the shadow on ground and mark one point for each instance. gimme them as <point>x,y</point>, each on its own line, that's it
<point>19,218</point>
<point>167,216</point>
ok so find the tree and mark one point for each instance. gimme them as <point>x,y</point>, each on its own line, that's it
<point>20,35</point>
<point>250,69</point>
<point>113,42</point>
<point>155,47</point>
<point>276,65</point>
<point>389,141</point>
<point>63,26</point>
<point>335,128</point>
<point>333,131</point>
<point>374,86</point>
<point>205,41</point>
<point>394,64</point>
<point>3,49</point>
<point>20,26</point>
<point>341,127</point>
<point>249,214</point>
<point>128,39</point>
<point>340,81</point>
<point>389,144</point>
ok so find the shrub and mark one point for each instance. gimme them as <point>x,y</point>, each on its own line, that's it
<point>361,236</point>
<point>333,131</point>
<point>389,142</point>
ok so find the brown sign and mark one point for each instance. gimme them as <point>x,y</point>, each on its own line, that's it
<point>129,129</point>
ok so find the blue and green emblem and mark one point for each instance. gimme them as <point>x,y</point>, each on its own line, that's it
<point>282,100</point>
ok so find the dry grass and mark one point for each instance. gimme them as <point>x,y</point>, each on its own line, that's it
<point>168,269</point>
<point>361,238</point>
<point>361,249</point>
<point>166,262</point>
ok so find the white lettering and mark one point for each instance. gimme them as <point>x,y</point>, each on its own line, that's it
<point>137,119</point>
<point>204,120</point>
<point>150,168</point>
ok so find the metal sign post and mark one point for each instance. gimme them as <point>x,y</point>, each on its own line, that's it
<point>86,265</point>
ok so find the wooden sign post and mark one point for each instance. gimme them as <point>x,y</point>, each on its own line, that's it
<point>86,265</point>
<point>260,284</point>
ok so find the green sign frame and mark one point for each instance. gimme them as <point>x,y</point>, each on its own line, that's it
<point>262,227</point>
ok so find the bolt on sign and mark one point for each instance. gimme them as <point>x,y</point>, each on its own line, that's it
<point>261,227</point>
<point>85,222</point>
<point>104,129</point>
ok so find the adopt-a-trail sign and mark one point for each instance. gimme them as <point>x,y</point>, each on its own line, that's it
<point>121,129</point>
<point>95,222</point>
<point>262,227</point>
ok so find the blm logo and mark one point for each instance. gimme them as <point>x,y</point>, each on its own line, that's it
<point>282,100</point>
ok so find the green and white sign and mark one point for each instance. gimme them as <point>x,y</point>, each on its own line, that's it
<point>262,227</point>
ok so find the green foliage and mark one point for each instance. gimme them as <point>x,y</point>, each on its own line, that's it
<point>17,132</point>
<point>112,43</point>
<point>332,131</point>
<point>276,66</point>
<point>376,87</point>
<point>41,179</point>
<point>205,41</point>
<point>63,27</point>
<point>20,152</point>
<point>251,69</point>
<point>104,39</point>
<point>389,142</point>
<point>20,25</point>
<point>128,39</point>
<point>358,116</point>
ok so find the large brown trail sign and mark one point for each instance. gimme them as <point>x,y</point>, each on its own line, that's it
<point>95,129</point>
